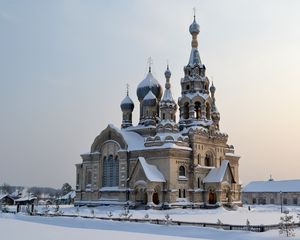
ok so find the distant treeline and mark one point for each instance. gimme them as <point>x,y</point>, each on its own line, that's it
<point>37,191</point>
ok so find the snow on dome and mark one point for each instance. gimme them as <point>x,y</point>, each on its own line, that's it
<point>149,83</point>
<point>127,104</point>
<point>149,99</point>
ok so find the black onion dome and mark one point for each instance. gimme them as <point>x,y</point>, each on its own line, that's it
<point>149,84</point>
<point>168,73</point>
<point>127,104</point>
<point>150,99</point>
<point>212,88</point>
<point>194,27</point>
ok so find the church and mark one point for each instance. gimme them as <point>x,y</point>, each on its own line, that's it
<point>162,161</point>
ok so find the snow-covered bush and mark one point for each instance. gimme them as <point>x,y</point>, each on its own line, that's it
<point>126,214</point>
<point>45,210</point>
<point>77,211</point>
<point>248,227</point>
<point>286,225</point>
<point>219,222</point>
<point>168,219</point>
<point>57,211</point>
<point>109,214</point>
<point>4,208</point>
<point>92,212</point>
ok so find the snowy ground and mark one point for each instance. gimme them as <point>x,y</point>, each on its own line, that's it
<point>259,214</point>
<point>19,226</point>
<point>28,227</point>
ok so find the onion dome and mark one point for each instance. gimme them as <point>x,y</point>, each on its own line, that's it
<point>194,27</point>
<point>212,88</point>
<point>150,99</point>
<point>168,73</point>
<point>127,104</point>
<point>149,84</point>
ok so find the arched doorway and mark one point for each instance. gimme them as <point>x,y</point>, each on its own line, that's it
<point>155,198</point>
<point>212,198</point>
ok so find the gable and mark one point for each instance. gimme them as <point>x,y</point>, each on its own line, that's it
<point>108,134</point>
<point>146,171</point>
<point>221,174</point>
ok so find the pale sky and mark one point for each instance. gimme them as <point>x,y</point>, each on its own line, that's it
<point>64,66</point>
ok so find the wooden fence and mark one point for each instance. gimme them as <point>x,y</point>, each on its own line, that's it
<point>252,228</point>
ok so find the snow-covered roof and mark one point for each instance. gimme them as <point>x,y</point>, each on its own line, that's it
<point>273,186</point>
<point>3,196</point>
<point>67,196</point>
<point>216,175</point>
<point>136,142</point>
<point>195,94</point>
<point>26,198</point>
<point>232,155</point>
<point>167,97</point>
<point>151,171</point>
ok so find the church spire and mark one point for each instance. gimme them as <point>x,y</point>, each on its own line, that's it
<point>194,31</point>
<point>168,105</point>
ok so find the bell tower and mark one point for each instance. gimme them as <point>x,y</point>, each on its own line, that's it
<point>195,102</point>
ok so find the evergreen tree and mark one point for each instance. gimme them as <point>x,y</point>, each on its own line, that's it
<point>66,188</point>
<point>286,225</point>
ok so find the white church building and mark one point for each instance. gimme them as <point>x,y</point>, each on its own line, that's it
<point>164,161</point>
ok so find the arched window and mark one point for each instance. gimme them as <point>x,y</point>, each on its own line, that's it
<point>187,87</point>
<point>197,110</point>
<point>208,160</point>
<point>181,171</point>
<point>207,111</point>
<point>164,116</point>
<point>186,111</point>
<point>199,159</point>
<point>198,182</point>
<point>183,193</point>
<point>110,171</point>
<point>179,193</point>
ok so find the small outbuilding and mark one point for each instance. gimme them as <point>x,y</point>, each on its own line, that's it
<point>27,200</point>
<point>285,192</point>
<point>5,199</point>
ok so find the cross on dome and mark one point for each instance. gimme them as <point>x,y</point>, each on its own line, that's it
<point>150,63</point>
